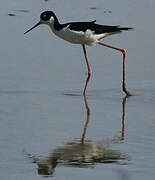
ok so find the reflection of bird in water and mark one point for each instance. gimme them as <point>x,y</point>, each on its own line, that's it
<point>76,154</point>
<point>80,153</point>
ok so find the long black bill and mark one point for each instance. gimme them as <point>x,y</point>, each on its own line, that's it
<point>33,27</point>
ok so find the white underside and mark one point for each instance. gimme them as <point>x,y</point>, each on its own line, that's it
<point>75,37</point>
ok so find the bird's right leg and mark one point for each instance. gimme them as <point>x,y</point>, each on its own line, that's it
<point>89,69</point>
<point>123,51</point>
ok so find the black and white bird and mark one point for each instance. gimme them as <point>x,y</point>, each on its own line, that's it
<point>84,33</point>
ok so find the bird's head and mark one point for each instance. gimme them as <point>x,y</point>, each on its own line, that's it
<point>47,17</point>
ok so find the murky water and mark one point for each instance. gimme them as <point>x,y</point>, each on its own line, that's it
<point>47,128</point>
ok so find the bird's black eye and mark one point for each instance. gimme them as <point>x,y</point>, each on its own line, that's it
<point>44,16</point>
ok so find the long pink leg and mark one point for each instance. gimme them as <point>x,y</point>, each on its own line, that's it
<point>89,69</point>
<point>124,65</point>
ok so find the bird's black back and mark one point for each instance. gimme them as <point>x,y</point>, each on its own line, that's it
<point>97,28</point>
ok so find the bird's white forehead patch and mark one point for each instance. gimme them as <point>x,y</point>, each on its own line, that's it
<point>51,20</point>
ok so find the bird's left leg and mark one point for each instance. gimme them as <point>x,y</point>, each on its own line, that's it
<point>89,69</point>
<point>124,65</point>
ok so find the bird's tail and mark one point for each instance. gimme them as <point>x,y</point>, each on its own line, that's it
<point>125,28</point>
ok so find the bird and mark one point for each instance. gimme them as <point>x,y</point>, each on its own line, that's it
<point>84,33</point>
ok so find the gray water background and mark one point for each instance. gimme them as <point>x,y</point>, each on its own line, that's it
<point>42,110</point>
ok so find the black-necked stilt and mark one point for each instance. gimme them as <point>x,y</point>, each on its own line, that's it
<point>84,33</point>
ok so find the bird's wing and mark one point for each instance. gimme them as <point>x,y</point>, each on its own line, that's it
<point>97,28</point>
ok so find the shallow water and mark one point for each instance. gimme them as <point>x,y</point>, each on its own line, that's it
<point>47,128</point>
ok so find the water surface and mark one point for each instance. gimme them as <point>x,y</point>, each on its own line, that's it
<point>47,128</point>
